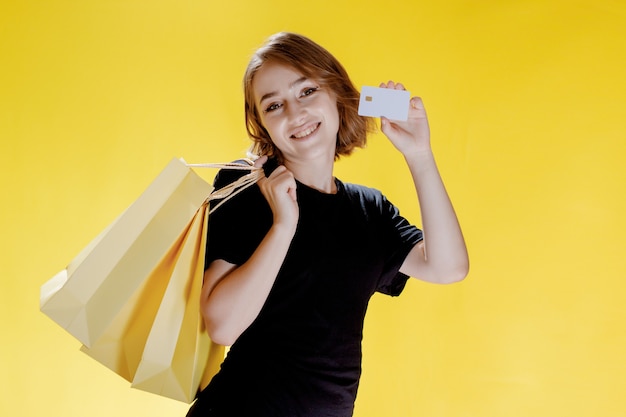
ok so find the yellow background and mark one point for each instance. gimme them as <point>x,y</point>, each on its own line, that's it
<point>528,113</point>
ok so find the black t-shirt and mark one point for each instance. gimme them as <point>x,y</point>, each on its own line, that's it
<point>302,354</point>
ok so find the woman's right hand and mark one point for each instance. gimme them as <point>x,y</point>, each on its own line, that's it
<point>279,189</point>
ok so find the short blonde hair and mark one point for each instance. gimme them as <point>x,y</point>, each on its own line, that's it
<point>315,62</point>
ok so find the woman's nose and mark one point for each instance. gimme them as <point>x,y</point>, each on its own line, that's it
<point>296,113</point>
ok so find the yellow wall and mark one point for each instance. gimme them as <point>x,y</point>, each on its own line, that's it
<point>527,107</point>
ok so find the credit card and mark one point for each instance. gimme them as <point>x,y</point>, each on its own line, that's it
<point>377,102</point>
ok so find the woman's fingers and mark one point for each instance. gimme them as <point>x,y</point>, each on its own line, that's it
<point>417,103</point>
<point>283,181</point>
<point>260,161</point>
<point>393,85</point>
<point>279,189</point>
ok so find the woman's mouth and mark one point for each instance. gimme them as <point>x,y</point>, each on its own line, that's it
<point>306,132</point>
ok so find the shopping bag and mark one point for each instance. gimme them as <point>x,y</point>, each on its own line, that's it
<point>158,341</point>
<point>132,295</point>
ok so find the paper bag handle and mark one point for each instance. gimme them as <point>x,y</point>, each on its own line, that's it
<point>228,191</point>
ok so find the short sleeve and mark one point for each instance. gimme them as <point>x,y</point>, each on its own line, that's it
<point>237,227</point>
<point>398,237</point>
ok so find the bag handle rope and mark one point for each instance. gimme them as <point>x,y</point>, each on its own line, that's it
<point>229,191</point>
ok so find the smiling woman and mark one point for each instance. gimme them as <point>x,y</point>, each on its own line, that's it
<point>292,296</point>
<point>314,64</point>
<point>298,114</point>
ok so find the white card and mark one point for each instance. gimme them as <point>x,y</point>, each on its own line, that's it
<point>377,102</point>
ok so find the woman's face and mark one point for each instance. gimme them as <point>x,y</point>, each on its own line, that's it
<point>300,116</point>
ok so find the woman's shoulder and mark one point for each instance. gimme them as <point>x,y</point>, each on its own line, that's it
<point>363,193</point>
<point>233,193</point>
<point>226,176</point>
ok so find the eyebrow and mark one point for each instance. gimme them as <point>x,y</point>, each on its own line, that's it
<point>274,93</point>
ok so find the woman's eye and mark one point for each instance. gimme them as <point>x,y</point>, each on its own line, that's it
<point>309,91</point>
<point>272,107</point>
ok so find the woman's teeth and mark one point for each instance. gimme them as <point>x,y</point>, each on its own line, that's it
<point>306,132</point>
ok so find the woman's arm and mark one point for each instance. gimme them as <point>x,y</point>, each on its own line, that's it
<point>442,256</point>
<point>232,296</point>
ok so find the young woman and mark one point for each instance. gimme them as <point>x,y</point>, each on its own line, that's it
<point>292,263</point>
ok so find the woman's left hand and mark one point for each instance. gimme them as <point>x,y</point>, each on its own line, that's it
<point>412,135</point>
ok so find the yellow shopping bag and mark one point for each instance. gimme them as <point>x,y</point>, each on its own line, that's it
<point>132,295</point>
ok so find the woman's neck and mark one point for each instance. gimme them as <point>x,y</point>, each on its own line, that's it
<point>315,174</point>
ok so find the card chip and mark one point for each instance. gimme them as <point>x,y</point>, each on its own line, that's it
<point>368,98</point>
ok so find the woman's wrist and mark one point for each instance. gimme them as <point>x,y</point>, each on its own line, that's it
<point>419,156</point>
